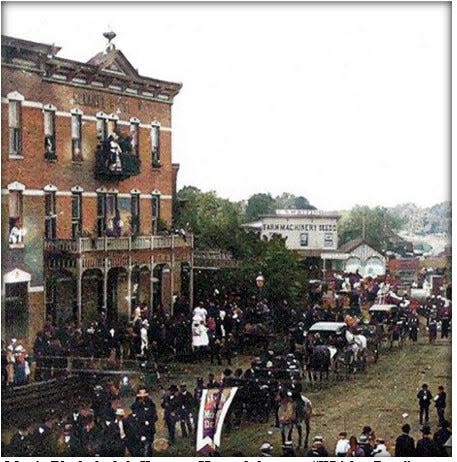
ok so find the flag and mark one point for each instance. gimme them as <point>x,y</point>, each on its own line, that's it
<point>214,405</point>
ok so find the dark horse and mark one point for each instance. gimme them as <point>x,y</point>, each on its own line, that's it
<point>319,360</point>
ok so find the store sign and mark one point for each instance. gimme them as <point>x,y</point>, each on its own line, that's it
<point>301,232</point>
<point>298,227</point>
<point>102,102</point>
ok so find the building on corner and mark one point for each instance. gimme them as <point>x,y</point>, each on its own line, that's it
<point>88,184</point>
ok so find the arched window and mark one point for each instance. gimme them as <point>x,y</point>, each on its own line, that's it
<point>155,144</point>
<point>76,135</point>
<point>155,210</point>
<point>15,100</point>
<point>49,119</point>
<point>16,230</point>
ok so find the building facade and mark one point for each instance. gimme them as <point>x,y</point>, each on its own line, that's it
<point>309,232</point>
<point>87,189</point>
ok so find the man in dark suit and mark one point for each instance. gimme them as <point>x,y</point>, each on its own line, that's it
<point>425,397</point>
<point>146,413</point>
<point>426,447</point>
<point>187,405</point>
<point>441,436</point>
<point>404,444</point>
<point>132,440</point>
<point>440,403</point>
<point>212,382</point>
<point>171,407</point>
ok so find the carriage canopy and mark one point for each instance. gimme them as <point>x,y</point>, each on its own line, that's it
<point>383,308</point>
<point>330,327</point>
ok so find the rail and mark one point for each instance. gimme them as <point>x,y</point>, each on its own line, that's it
<point>87,244</point>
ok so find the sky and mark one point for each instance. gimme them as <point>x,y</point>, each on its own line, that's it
<point>344,104</point>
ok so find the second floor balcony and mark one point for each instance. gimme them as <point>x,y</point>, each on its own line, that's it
<point>116,160</point>
<point>124,243</point>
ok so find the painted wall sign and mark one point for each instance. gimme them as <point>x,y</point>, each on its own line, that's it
<point>313,232</point>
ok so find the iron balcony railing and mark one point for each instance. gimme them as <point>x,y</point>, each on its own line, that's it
<point>87,244</point>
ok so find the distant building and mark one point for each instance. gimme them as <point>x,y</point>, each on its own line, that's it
<point>358,255</point>
<point>309,232</point>
<point>88,185</point>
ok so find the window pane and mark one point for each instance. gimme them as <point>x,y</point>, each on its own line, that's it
<point>134,134</point>
<point>49,203</point>
<point>15,206</point>
<point>15,141</point>
<point>100,205</point>
<point>49,123</point>
<point>111,126</point>
<point>110,205</point>
<point>14,114</point>
<point>155,206</point>
<point>101,129</point>
<point>155,142</point>
<point>76,127</point>
<point>75,229</point>
<point>76,206</point>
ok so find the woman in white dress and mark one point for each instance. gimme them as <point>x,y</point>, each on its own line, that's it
<point>200,339</point>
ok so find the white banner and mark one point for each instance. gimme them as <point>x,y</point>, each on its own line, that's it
<point>214,405</point>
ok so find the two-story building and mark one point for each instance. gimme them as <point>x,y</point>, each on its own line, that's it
<point>308,232</point>
<point>88,185</point>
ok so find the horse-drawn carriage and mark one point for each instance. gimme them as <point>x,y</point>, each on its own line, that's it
<point>330,343</point>
<point>389,323</point>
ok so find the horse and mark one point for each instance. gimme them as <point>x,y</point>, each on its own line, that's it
<point>293,414</point>
<point>359,345</point>
<point>319,359</point>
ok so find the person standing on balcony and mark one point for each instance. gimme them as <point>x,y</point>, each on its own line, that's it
<point>115,151</point>
<point>118,224</point>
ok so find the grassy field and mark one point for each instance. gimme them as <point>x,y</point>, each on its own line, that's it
<point>377,397</point>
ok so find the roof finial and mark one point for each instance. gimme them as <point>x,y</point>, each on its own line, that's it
<point>110,35</point>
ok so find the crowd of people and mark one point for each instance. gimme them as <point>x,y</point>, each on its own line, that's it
<point>368,445</point>
<point>216,330</point>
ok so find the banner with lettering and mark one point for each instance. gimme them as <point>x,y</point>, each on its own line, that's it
<point>214,405</point>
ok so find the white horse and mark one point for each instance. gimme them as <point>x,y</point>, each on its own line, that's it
<point>359,345</point>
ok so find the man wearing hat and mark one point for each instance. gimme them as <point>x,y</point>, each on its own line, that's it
<point>404,444</point>
<point>186,406</point>
<point>171,407</point>
<point>146,413</point>
<point>265,450</point>
<point>288,449</point>
<point>441,436</point>
<point>317,448</point>
<point>364,444</point>
<point>426,447</point>
<point>89,439</point>
<point>19,444</point>
<point>440,403</point>
<point>425,398</point>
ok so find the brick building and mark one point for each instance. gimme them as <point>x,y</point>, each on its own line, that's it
<point>87,189</point>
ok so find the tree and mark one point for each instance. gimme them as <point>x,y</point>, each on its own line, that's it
<point>258,204</point>
<point>214,221</point>
<point>302,203</point>
<point>377,224</point>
